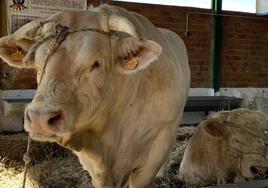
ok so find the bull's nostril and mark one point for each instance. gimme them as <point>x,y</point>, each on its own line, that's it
<point>259,171</point>
<point>55,119</point>
<point>254,170</point>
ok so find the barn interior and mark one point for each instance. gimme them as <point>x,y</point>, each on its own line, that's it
<point>227,44</point>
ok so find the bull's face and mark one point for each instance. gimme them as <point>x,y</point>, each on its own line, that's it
<point>71,85</point>
<point>76,81</point>
<point>246,149</point>
<point>250,151</point>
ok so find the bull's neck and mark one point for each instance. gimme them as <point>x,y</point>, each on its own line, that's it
<point>129,93</point>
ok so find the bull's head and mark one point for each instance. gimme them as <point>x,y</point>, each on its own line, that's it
<point>246,149</point>
<point>77,79</point>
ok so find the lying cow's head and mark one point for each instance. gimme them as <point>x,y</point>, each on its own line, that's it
<point>250,152</point>
<point>77,77</point>
<point>245,146</point>
<point>227,147</point>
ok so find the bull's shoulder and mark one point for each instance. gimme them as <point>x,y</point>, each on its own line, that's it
<point>169,34</point>
<point>173,39</point>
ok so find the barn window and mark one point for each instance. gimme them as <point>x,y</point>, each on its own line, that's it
<point>229,5</point>
<point>186,3</point>
<point>239,5</point>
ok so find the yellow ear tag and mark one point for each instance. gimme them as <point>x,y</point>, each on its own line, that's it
<point>17,55</point>
<point>131,64</point>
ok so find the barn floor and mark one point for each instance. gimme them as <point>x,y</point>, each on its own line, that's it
<point>55,167</point>
<point>52,166</point>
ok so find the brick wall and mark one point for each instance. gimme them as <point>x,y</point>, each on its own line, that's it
<point>244,52</point>
<point>198,42</point>
<point>244,46</point>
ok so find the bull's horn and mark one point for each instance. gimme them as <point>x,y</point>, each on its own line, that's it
<point>122,24</point>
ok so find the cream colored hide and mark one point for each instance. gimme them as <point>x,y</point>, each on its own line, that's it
<point>113,94</point>
<point>227,147</point>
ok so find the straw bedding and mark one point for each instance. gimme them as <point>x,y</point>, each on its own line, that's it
<point>56,167</point>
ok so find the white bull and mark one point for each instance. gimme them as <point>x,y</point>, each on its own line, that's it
<point>112,88</point>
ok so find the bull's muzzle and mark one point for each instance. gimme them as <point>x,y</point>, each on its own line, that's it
<point>43,121</point>
<point>259,171</point>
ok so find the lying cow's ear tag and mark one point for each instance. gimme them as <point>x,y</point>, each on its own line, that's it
<point>131,64</point>
<point>17,55</point>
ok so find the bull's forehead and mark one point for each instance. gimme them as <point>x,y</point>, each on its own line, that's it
<point>250,123</point>
<point>249,134</point>
<point>253,120</point>
<point>78,48</point>
<point>243,118</point>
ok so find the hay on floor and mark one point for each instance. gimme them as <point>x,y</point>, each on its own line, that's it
<point>56,173</point>
<point>55,167</point>
<point>13,146</point>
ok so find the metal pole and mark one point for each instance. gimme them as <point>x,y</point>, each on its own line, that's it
<point>216,44</point>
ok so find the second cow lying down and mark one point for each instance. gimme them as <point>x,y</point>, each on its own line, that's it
<point>227,147</point>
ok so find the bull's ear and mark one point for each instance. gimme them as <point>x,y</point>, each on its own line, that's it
<point>214,128</point>
<point>13,50</point>
<point>136,54</point>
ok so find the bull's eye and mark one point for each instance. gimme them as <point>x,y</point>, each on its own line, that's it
<point>95,65</point>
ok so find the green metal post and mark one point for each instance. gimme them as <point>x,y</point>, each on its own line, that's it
<point>216,45</point>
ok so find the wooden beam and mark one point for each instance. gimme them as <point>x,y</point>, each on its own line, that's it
<point>3,32</point>
<point>3,18</point>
